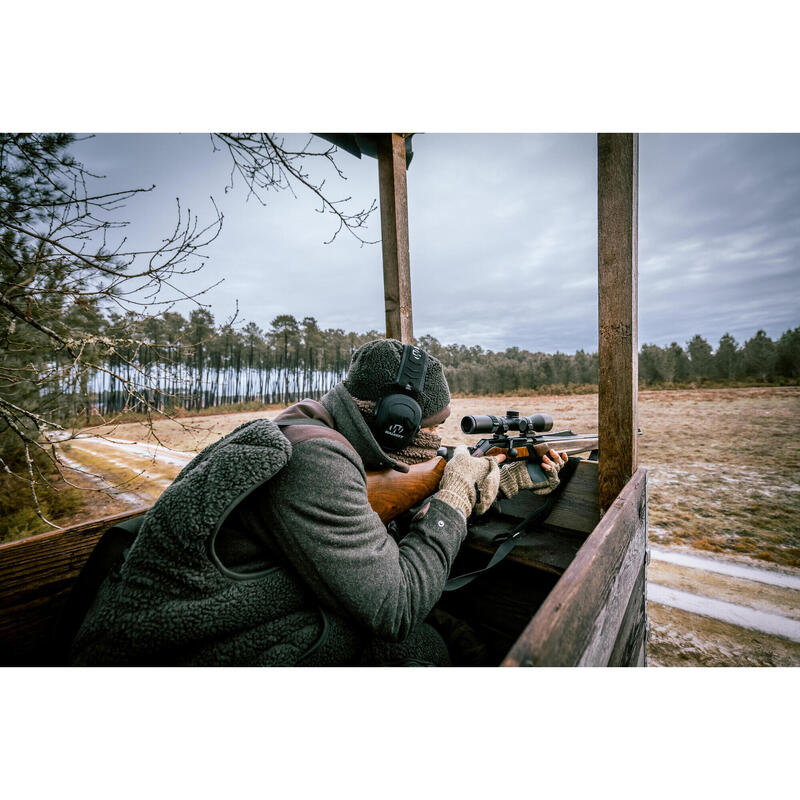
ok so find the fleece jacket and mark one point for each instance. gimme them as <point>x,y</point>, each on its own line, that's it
<point>264,552</point>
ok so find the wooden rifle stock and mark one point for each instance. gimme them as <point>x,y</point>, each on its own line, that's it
<point>390,492</point>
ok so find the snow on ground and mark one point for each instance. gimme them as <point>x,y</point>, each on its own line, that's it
<point>139,449</point>
<point>131,498</point>
<point>771,576</point>
<point>744,617</point>
<point>707,611</point>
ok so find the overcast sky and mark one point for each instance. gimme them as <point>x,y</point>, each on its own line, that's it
<point>503,235</point>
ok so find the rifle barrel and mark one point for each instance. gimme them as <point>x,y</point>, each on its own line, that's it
<point>571,445</point>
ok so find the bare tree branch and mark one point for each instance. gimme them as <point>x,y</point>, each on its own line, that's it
<point>265,164</point>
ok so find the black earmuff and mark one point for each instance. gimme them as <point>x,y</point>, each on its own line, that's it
<point>398,416</point>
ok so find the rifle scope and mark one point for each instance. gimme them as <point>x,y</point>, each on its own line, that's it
<point>486,423</point>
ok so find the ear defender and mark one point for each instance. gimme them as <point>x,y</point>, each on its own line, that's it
<point>397,416</point>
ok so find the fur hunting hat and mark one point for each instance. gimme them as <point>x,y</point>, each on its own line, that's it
<point>374,368</point>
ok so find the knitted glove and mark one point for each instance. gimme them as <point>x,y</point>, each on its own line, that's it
<point>515,477</point>
<point>462,475</point>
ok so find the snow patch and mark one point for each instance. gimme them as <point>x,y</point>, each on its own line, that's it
<point>126,497</point>
<point>772,624</point>
<point>772,577</point>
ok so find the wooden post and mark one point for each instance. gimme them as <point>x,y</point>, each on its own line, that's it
<point>618,267</point>
<point>394,234</point>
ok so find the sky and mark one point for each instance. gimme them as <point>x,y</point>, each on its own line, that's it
<point>503,235</point>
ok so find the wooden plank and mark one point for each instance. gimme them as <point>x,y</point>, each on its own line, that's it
<point>35,577</point>
<point>584,611</point>
<point>576,509</point>
<point>617,267</point>
<point>611,609</point>
<point>394,235</point>
<point>631,632</point>
<point>641,660</point>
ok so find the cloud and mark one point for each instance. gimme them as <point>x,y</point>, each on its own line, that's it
<point>503,235</point>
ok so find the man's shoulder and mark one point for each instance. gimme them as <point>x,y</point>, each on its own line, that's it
<point>324,453</point>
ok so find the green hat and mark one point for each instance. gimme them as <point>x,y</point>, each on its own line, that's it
<point>374,368</point>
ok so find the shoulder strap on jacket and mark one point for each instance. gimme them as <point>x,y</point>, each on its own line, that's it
<point>308,419</point>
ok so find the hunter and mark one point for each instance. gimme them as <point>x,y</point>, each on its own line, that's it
<point>265,550</point>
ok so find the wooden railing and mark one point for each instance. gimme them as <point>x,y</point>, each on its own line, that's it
<point>36,575</point>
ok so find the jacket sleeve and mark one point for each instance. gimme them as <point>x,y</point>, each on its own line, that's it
<point>321,520</point>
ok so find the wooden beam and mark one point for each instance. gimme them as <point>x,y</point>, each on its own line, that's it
<point>617,267</point>
<point>394,234</point>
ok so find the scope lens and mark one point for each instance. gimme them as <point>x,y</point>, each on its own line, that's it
<point>481,423</point>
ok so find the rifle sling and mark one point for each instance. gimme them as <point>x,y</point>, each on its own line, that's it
<point>508,541</point>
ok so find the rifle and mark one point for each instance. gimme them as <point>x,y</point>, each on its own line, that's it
<point>391,492</point>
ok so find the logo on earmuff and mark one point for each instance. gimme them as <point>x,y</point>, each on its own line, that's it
<point>398,431</point>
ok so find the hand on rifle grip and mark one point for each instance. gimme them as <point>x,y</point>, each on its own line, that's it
<point>515,476</point>
<point>465,478</point>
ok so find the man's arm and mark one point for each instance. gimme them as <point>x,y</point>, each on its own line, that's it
<point>323,524</point>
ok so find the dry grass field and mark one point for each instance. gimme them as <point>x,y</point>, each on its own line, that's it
<point>723,464</point>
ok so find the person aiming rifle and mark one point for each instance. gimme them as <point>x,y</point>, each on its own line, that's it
<point>265,550</point>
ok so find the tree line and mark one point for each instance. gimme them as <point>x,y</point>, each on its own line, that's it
<point>758,359</point>
<point>475,371</point>
<point>169,362</point>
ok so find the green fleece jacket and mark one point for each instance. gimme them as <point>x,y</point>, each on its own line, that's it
<point>262,552</point>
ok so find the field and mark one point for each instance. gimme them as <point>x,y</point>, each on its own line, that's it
<point>723,464</point>
<point>723,476</point>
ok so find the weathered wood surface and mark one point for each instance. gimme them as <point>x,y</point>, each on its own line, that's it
<point>554,545</point>
<point>631,636</point>
<point>617,268</point>
<point>583,620</point>
<point>394,235</point>
<point>35,577</point>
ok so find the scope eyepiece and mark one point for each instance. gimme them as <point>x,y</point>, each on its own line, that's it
<point>487,423</point>
<point>536,422</point>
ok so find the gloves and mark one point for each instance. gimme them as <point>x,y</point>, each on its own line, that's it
<point>515,476</point>
<point>463,475</point>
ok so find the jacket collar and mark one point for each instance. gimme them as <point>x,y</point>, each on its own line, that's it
<point>352,425</point>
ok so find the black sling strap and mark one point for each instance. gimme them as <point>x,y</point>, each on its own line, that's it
<point>508,541</point>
